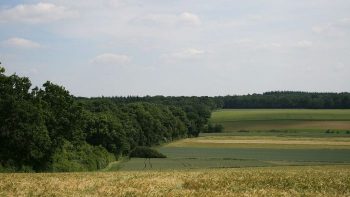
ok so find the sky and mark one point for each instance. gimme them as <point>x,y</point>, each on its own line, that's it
<point>175,48</point>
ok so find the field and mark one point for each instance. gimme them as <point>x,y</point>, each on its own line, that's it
<point>302,144</point>
<point>238,152</point>
<point>294,181</point>
<point>261,153</point>
<point>284,121</point>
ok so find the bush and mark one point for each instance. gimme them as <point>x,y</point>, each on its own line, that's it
<point>3,169</point>
<point>216,128</point>
<point>83,157</point>
<point>146,152</point>
<point>329,131</point>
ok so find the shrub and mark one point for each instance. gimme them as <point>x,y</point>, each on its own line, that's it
<point>216,128</point>
<point>83,157</point>
<point>329,131</point>
<point>146,152</point>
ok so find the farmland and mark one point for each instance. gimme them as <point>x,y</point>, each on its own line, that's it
<point>215,152</point>
<point>287,121</point>
<point>266,146</point>
<point>293,161</point>
<point>270,181</point>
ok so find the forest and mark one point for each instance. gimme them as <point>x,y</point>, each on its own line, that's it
<point>267,100</point>
<point>46,129</point>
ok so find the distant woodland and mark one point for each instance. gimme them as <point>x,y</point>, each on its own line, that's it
<point>48,129</point>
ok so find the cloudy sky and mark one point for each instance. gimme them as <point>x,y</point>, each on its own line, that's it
<point>184,47</point>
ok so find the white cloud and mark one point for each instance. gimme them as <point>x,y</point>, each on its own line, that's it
<point>303,44</point>
<point>189,18</point>
<point>244,41</point>
<point>111,59</point>
<point>336,28</point>
<point>21,43</point>
<point>345,21</point>
<point>319,29</point>
<point>272,45</point>
<point>35,13</point>
<point>255,17</point>
<point>185,18</point>
<point>253,44</point>
<point>189,53</point>
<point>339,67</point>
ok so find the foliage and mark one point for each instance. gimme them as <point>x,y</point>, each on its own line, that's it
<point>288,100</point>
<point>214,128</point>
<point>70,158</point>
<point>146,152</point>
<point>48,129</point>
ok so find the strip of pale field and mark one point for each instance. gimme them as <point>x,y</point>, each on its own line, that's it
<point>262,142</point>
<point>277,181</point>
<point>261,125</point>
<point>281,142</point>
<point>280,114</point>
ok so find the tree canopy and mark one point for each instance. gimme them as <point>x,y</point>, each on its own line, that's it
<point>48,129</point>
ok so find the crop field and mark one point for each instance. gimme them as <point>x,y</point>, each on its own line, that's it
<point>279,142</point>
<point>302,145</point>
<point>244,151</point>
<point>280,114</point>
<point>284,120</point>
<point>267,181</point>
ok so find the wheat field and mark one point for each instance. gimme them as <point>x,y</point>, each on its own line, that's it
<point>269,181</point>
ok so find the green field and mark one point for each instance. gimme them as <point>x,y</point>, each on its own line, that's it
<point>304,121</point>
<point>209,156</point>
<point>280,114</point>
<point>259,138</point>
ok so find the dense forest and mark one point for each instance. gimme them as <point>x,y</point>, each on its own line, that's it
<point>288,99</point>
<point>48,129</point>
<point>268,100</point>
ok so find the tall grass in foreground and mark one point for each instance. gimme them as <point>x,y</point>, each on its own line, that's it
<point>283,181</point>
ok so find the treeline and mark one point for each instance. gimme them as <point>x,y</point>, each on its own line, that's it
<point>287,99</point>
<point>48,129</point>
<point>272,100</point>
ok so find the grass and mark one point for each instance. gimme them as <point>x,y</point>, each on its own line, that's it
<point>283,120</point>
<point>239,152</point>
<point>229,141</point>
<point>295,125</point>
<point>280,114</point>
<point>267,181</point>
<point>261,154</point>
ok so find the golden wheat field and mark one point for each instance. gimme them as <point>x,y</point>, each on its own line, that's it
<point>271,181</point>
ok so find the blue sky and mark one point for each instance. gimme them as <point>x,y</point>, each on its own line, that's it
<point>185,47</point>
